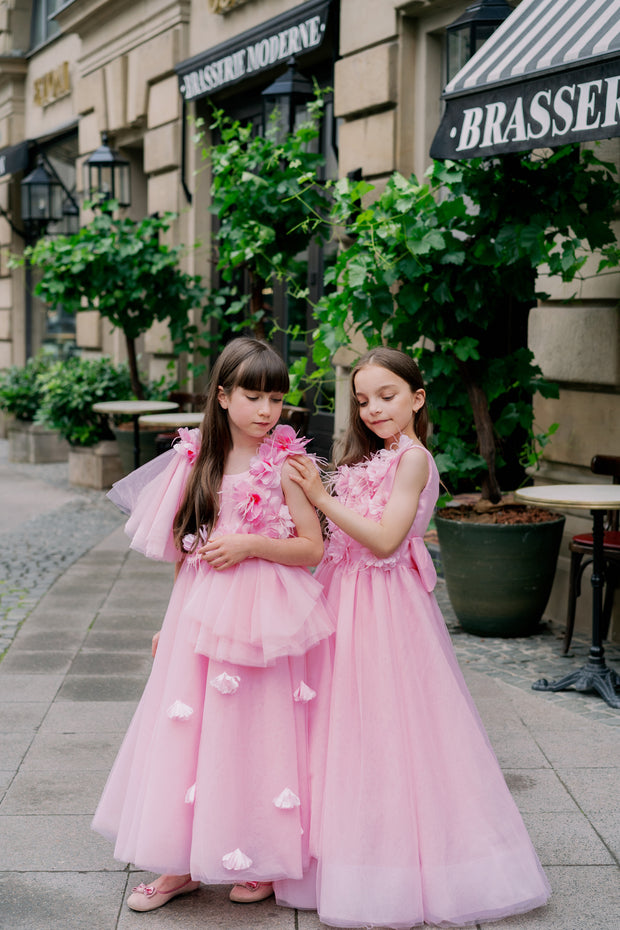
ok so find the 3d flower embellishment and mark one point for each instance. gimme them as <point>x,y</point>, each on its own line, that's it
<point>191,546</point>
<point>190,794</point>
<point>226,684</point>
<point>283,442</point>
<point>375,468</point>
<point>266,473</point>
<point>188,443</point>
<point>236,861</point>
<point>304,693</point>
<point>287,800</point>
<point>250,502</point>
<point>180,711</point>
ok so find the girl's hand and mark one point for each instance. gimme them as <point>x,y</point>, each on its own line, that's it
<point>155,643</point>
<point>226,551</point>
<point>305,473</point>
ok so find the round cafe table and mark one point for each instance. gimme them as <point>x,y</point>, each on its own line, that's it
<point>134,409</point>
<point>595,675</point>
<point>172,420</point>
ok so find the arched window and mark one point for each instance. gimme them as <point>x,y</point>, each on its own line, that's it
<point>42,27</point>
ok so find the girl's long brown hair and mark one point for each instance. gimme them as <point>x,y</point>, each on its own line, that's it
<point>359,441</point>
<point>245,363</point>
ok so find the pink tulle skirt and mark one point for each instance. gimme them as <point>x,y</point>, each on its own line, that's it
<point>417,824</point>
<point>221,769</point>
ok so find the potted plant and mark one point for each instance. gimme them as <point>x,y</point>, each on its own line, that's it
<point>68,391</point>
<point>124,270</point>
<point>20,396</point>
<point>449,270</point>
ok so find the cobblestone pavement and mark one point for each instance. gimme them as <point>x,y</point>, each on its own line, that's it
<point>523,660</point>
<point>37,552</point>
<point>42,548</point>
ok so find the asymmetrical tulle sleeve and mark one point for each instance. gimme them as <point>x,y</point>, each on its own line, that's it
<point>151,496</point>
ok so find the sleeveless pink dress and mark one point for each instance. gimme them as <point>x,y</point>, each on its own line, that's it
<point>417,824</point>
<point>220,772</point>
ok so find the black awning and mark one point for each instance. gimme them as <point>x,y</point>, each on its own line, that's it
<point>14,158</point>
<point>294,33</point>
<point>549,75</point>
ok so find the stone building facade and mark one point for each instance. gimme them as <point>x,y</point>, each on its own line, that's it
<point>70,70</point>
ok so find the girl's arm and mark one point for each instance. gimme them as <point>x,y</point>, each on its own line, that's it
<point>306,548</point>
<point>385,536</point>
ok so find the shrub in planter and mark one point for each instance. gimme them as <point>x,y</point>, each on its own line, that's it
<point>71,388</point>
<point>449,269</point>
<point>126,270</point>
<point>20,387</point>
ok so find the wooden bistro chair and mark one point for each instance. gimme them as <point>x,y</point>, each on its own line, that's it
<point>581,545</point>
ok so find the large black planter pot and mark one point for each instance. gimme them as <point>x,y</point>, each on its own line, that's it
<point>499,577</point>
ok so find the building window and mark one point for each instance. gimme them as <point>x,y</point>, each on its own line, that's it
<point>42,27</point>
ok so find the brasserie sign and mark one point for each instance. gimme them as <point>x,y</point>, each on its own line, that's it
<point>294,33</point>
<point>569,106</point>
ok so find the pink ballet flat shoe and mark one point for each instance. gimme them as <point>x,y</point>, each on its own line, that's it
<point>250,892</point>
<point>147,897</point>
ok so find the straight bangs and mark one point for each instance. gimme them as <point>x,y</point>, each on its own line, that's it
<point>264,372</point>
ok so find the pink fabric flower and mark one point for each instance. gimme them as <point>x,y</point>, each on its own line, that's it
<point>188,443</point>
<point>284,441</point>
<point>250,503</point>
<point>265,472</point>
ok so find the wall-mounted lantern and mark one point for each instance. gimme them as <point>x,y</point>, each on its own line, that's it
<point>467,33</point>
<point>107,174</point>
<point>42,199</point>
<point>284,97</point>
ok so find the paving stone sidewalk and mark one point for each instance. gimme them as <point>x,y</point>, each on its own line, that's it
<point>77,663</point>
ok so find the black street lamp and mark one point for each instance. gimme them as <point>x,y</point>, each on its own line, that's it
<point>42,199</point>
<point>107,174</point>
<point>282,99</point>
<point>471,30</point>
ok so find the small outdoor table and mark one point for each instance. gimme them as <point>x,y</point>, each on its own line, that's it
<point>595,675</point>
<point>134,409</point>
<point>172,420</point>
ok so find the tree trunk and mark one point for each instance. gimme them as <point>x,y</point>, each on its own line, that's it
<point>136,384</point>
<point>257,285</point>
<point>484,430</point>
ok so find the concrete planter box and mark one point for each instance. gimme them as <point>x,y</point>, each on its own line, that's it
<point>95,466</point>
<point>35,444</point>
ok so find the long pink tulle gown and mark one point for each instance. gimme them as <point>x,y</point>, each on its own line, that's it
<point>418,824</point>
<point>222,765</point>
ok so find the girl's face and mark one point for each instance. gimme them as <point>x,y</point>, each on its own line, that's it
<point>387,404</point>
<point>251,414</point>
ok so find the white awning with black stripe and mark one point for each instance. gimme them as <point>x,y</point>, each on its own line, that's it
<point>549,75</point>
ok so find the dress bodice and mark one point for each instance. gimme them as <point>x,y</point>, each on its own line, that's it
<point>366,488</point>
<point>253,501</point>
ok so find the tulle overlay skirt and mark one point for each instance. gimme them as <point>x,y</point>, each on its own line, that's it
<point>223,763</point>
<point>417,824</point>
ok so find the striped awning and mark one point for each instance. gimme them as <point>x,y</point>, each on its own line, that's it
<point>549,75</point>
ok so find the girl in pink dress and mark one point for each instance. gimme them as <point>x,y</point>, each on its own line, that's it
<point>418,825</point>
<point>221,767</point>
